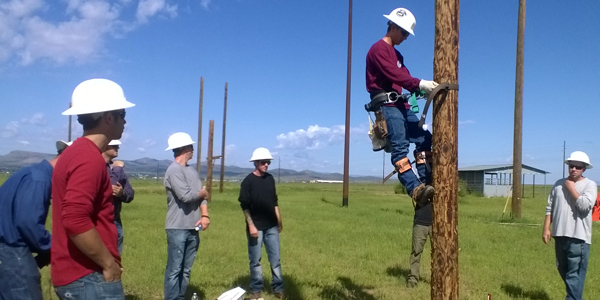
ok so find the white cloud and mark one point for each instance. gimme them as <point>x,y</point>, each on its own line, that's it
<point>466,122</point>
<point>26,143</point>
<point>149,8</point>
<point>69,30</point>
<point>205,3</point>
<point>36,119</point>
<point>141,149</point>
<point>149,143</point>
<point>10,130</point>
<point>315,137</point>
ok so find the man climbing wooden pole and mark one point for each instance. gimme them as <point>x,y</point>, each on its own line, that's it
<point>444,261</point>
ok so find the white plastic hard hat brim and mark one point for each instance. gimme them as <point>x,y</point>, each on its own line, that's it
<point>62,145</point>
<point>261,154</point>
<point>95,96</point>
<point>579,156</point>
<point>114,143</point>
<point>178,140</point>
<point>396,20</point>
<point>97,108</point>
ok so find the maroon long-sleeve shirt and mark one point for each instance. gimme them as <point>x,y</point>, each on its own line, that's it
<point>81,200</point>
<point>386,70</point>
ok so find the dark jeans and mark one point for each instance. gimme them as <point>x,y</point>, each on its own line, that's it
<point>19,274</point>
<point>572,260</point>
<point>119,236</point>
<point>403,129</point>
<point>419,238</point>
<point>270,237</point>
<point>91,287</point>
<point>182,247</point>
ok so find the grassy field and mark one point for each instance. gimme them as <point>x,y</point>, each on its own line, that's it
<point>359,252</point>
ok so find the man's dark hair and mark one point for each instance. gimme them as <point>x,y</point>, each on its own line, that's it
<point>178,151</point>
<point>391,25</point>
<point>89,121</point>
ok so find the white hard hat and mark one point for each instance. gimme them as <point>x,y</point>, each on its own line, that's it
<point>97,95</point>
<point>403,18</point>
<point>62,145</point>
<point>114,143</point>
<point>261,154</point>
<point>178,140</point>
<point>579,156</point>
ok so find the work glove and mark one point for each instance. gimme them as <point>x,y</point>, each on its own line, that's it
<point>427,86</point>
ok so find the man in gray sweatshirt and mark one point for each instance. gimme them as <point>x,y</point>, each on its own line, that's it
<point>186,209</point>
<point>569,210</point>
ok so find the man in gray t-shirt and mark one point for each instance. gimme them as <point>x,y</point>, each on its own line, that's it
<point>569,210</point>
<point>187,210</point>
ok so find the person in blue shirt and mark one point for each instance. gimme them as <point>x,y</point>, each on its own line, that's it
<point>122,190</point>
<point>24,203</point>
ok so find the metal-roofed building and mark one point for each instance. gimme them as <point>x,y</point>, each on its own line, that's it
<point>494,180</point>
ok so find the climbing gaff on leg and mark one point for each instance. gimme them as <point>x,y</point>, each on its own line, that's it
<point>424,157</point>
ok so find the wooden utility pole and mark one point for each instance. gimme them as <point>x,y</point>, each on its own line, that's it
<point>444,261</point>
<point>209,159</point>
<point>518,135</point>
<point>70,122</point>
<point>223,143</point>
<point>199,155</point>
<point>347,126</point>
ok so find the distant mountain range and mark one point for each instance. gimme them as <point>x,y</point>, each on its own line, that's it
<point>151,168</point>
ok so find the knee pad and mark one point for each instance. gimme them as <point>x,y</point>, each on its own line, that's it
<point>403,165</point>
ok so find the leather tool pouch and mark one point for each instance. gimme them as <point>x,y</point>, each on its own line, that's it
<point>380,127</point>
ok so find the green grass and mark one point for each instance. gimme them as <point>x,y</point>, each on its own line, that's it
<point>359,252</point>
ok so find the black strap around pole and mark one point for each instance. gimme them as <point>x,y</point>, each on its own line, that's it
<point>443,86</point>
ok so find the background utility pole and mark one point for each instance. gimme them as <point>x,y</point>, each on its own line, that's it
<point>564,157</point>
<point>209,159</point>
<point>70,122</point>
<point>223,143</point>
<point>199,150</point>
<point>444,244</point>
<point>347,126</point>
<point>518,135</point>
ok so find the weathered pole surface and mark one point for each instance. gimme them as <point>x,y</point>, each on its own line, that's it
<point>444,262</point>
<point>70,122</point>
<point>223,143</point>
<point>518,133</point>
<point>347,124</point>
<point>199,155</point>
<point>210,159</point>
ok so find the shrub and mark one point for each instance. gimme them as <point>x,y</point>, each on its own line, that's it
<point>399,188</point>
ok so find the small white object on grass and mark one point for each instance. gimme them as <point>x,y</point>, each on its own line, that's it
<point>233,294</point>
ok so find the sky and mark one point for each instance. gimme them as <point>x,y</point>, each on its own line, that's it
<point>285,63</point>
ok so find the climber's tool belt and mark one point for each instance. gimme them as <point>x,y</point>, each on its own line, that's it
<point>381,98</point>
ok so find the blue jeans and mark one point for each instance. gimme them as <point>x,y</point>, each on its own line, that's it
<point>182,247</point>
<point>119,236</point>
<point>91,287</point>
<point>403,129</point>
<point>270,237</point>
<point>572,261</point>
<point>19,274</point>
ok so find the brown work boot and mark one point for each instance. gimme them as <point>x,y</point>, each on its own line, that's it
<point>423,194</point>
<point>255,296</point>
<point>279,295</point>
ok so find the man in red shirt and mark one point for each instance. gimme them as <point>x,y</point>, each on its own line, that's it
<point>85,261</point>
<point>387,75</point>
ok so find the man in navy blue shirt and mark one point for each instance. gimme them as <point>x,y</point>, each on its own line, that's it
<point>122,190</point>
<point>24,203</point>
